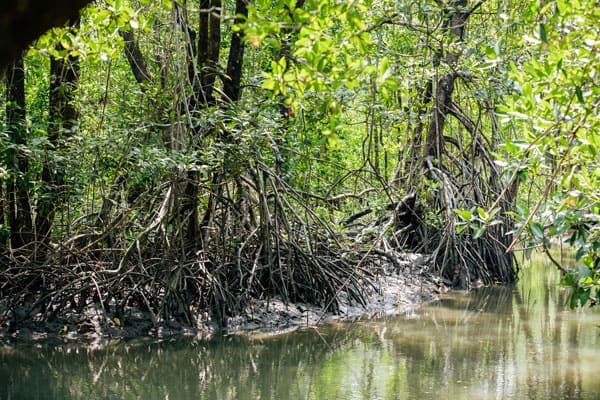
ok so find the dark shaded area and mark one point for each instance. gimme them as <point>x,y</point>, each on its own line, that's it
<point>19,210</point>
<point>22,21</point>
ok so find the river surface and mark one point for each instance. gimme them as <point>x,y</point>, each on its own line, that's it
<point>494,343</point>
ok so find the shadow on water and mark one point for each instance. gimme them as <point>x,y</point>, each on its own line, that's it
<point>495,343</point>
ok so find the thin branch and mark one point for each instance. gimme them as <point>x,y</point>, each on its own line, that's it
<point>556,263</point>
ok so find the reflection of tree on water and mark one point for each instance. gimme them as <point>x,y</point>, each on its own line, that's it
<point>231,368</point>
<point>522,344</point>
<point>274,368</point>
<point>465,349</point>
<point>493,343</point>
<point>540,311</point>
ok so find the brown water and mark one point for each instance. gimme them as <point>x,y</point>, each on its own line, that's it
<point>499,343</point>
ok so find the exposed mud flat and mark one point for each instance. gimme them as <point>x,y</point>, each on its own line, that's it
<point>393,292</point>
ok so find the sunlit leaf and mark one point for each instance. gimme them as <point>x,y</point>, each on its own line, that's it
<point>537,230</point>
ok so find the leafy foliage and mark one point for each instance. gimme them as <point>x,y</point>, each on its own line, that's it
<point>554,111</point>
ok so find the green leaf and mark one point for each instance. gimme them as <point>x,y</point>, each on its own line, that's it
<point>464,214</point>
<point>584,272</point>
<point>584,297</point>
<point>269,84</point>
<point>574,298</point>
<point>543,33</point>
<point>478,232</point>
<point>482,214</point>
<point>579,94</point>
<point>568,280</point>
<point>490,52</point>
<point>537,230</point>
<point>383,66</point>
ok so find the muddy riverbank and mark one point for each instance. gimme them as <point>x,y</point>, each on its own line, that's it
<point>393,292</point>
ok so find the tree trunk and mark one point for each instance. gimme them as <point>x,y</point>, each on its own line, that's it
<point>136,59</point>
<point>209,44</point>
<point>454,25</point>
<point>17,190</point>
<point>231,83</point>
<point>465,175</point>
<point>64,79</point>
<point>208,48</point>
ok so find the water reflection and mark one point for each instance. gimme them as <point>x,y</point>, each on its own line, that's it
<point>497,343</point>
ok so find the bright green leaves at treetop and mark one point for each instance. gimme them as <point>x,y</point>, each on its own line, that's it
<point>329,45</point>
